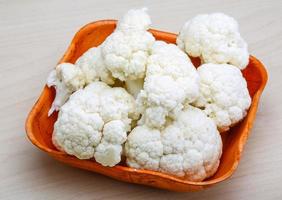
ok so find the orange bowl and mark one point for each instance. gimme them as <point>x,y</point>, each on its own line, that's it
<point>39,126</point>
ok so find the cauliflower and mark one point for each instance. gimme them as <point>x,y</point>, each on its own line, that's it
<point>171,79</point>
<point>93,67</point>
<point>66,79</point>
<point>215,38</point>
<point>109,151</point>
<point>122,55</point>
<point>223,94</point>
<point>126,50</point>
<point>94,122</point>
<point>190,147</point>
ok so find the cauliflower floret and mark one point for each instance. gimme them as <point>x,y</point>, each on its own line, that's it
<point>215,38</point>
<point>122,55</point>
<point>144,148</point>
<point>171,79</point>
<point>87,128</point>
<point>116,103</point>
<point>224,95</point>
<point>109,150</point>
<point>190,147</point>
<point>135,20</point>
<point>126,50</point>
<point>66,79</point>
<point>93,67</point>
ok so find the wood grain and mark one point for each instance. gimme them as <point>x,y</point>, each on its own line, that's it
<point>33,36</point>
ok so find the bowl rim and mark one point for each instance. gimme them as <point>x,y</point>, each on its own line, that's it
<point>252,111</point>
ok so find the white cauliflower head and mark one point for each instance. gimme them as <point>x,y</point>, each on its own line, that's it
<point>87,128</point>
<point>135,20</point>
<point>126,50</point>
<point>109,151</point>
<point>171,79</point>
<point>93,67</point>
<point>215,38</point>
<point>190,147</point>
<point>224,95</point>
<point>143,148</point>
<point>123,55</point>
<point>66,79</point>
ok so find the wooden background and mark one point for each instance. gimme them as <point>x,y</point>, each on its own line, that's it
<point>34,35</point>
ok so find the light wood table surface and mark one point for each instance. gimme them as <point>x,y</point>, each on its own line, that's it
<point>35,34</point>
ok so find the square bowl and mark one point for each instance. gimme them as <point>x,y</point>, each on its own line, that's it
<point>39,126</point>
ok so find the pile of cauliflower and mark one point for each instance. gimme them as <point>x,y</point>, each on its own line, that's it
<point>143,99</point>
